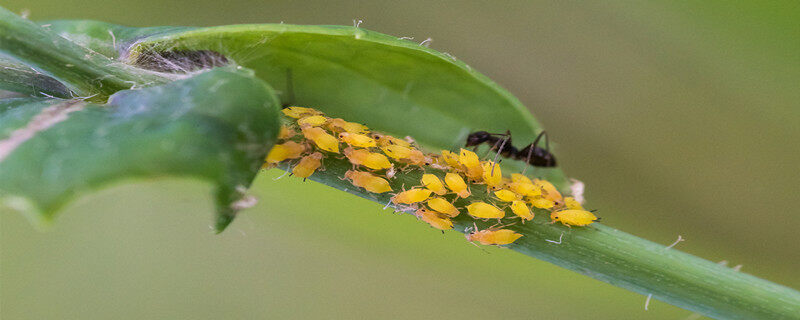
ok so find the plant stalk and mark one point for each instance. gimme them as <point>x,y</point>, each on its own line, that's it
<point>618,258</point>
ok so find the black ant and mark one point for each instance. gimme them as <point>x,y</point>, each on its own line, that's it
<point>501,143</point>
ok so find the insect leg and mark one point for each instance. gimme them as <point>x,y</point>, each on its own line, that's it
<point>497,152</point>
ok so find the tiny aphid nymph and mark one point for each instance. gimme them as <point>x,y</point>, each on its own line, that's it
<point>457,184</point>
<point>357,140</point>
<point>411,196</point>
<point>368,181</point>
<point>362,157</point>
<point>443,206</point>
<point>286,150</point>
<point>308,165</point>
<point>493,237</point>
<point>433,183</point>
<point>483,210</point>
<point>321,139</point>
<point>572,217</point>
<point>435,219</point>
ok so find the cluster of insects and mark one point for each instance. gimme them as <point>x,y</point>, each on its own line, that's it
<point>445,189</point>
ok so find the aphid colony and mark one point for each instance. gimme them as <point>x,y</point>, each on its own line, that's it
<point>441,194</point>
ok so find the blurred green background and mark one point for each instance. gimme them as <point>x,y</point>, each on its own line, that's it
<point>682,118</point>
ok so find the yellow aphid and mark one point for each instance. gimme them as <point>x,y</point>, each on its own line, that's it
<point>549,190</point>
<point>571,203</point>
<point>442,206</point>
<point>521,210</point>
<point>321,139</point>
<point>491,174</point>
<point>484,210</point>
<point>472,163</point>
<point>516,177</point>
<point>450,158</point>
<point>494,237</point>
<point>541,203</point>
<point>468,158</point>
<point>397,152</point>
<point>455,183</point>
<point>313,121</point>
<point>506,195</point>
<point>285,133</point>
<point>375,161</point>
<point>526,189</point>
<point>418,158</point>
<point>387,140</point>
<point>368,181</point>
<point>574,217</point>
<point>351,127</point>
<point>308,165</point>
<point>286,150</point>
<point>357,140</point>
<point>433,183</point>
<point>299,112</point>
<point>411,196</point>
<point>434,219</point>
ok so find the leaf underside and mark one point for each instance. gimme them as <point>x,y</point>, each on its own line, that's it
<point>216,126</point>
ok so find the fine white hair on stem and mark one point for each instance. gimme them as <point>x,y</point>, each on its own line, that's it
<point>357,22</point>
<point>577,188</point>
<point>450,56</point>
<point>426,43</point>
<point>559,239</point>
<point>680,239</point>
<point>647,302</point>
<point>406,38</point>
<point>113,39</point>
<point>387,204</point>
<point>737,268</point>
<point>47,95</point>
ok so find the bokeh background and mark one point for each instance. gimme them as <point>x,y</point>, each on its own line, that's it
<point>681,118</point>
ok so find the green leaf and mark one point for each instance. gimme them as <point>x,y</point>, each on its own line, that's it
<point>22,79</point>
<point>393,85</point>
<point>215,126</point>
<point>84,71</point>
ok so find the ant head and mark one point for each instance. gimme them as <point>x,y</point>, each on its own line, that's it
<point>477,137</point>
<point>544,158</point>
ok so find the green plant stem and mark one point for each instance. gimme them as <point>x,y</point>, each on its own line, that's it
<point>83,71</point>
<point>618,258</point>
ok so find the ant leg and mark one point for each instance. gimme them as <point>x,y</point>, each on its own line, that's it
<point>533,145</point>
<point>528,158</point>
<point>497,153</point>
